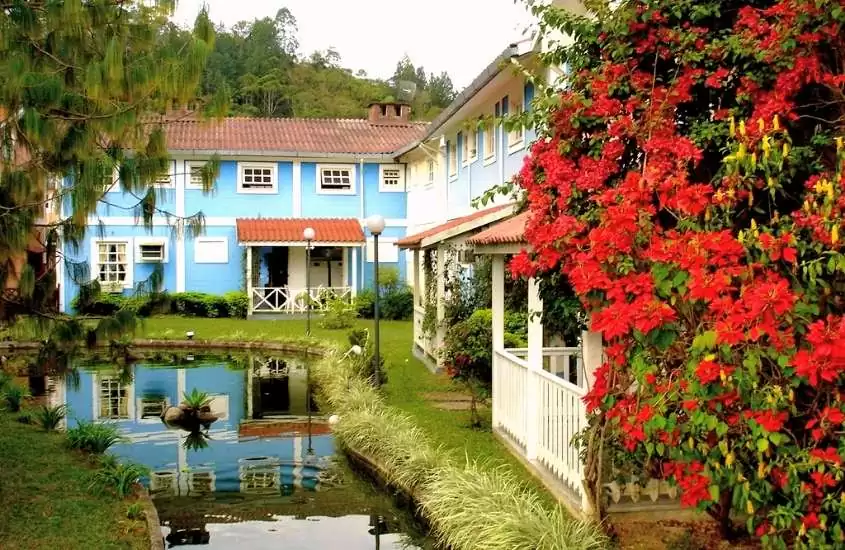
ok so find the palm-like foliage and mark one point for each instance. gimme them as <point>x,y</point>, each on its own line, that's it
<point>118,477</point>
<point>49,418</point>
<point>93,437</point>
<point>196,399</point>
<point>14,396</point>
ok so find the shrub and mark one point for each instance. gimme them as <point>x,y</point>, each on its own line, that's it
<point>365,304</point>
<point>692,191</point>
<point>13,397</point>
<point>197,304</point>
<point>49,418</point>
<point>120,478</point>
<point>366,363</point>
<point>135,511</point>
<point>104,304</point>
<point>398,305</point>
<point>339,313</point>
<point>237,304</point>
<point>93,437</point>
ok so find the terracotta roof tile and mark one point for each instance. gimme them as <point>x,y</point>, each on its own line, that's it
<point>317,135</point>
<point>413,241</point>
<point>509,231</point>
<point>327,230</point>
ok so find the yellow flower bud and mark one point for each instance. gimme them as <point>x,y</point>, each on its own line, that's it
<point>733,127</point>
<point>761,124</point>
<point>753,161</point>
<point>785,150</point>
<point>792,398</point>
<point>729,460</point>
<point>753,225</point>
<point>761,470</point>
<point>771,182</point>
<point>749,506</point>
<point>834,234</point>
<point>707,215</point>
<point>829,191</point>
<point>740,154</point>
<point>742,128</point>
<point>806,206</point>
<point>776,123</point>
<point>839,143</point>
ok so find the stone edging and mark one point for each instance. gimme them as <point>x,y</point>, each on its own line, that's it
<point>153,521</point>
<point>315,350</point>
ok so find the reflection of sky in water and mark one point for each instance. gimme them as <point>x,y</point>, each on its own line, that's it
<point>258,449</point>
<point>347,533</point>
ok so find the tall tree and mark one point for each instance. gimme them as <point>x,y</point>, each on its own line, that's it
<point>441,89</point>
<point>82,85</point>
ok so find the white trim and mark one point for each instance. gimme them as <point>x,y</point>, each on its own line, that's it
<point>189,166</point>
<point>165,252</point>
<point>385,244</point>
<point>115,182</point>
<point>181,183</point>
<point>491,129</point>
<point>400,180</point>
<point>211,221</point>
<point>94,258</point>
<point>516,143</point>
<point>355,271</point>
<point>297,189</point>
<point>452,153</point>
<point>319,179</point>
<point>470,147</point>
<point>274,175</point>
<point>223,242</point>
<point>130,397</point>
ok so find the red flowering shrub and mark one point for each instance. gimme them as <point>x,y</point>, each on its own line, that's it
<point>690,184</point>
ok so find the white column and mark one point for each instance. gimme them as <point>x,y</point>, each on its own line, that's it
<point>179,181</point>
<point>345,276</point>
<point>249,280</point>
<point>440,331</point>
<point>415,274</point>
<point>535,363</point>
<point>354,272</point>
<point>592,354</point>
<point>498,329</point>
<point>181,452</point>
<point>297,189</point>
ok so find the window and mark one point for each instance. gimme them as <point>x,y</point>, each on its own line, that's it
<point>165,180</point>
<point>388,252</point>
<point>110,180</point>
<point>517,135</point>
<point>470,152</point>
<point>490,141</point>
<point>337,180</point>
<point>211,250</point>
<point>431,170</point>
<point>114,399</point>
<point>194,170</point>
<point>453,159</point>
<point>151,250</point>
<point>392,178</point>
<point>466,256</point>
<point>257,178</point>
<point>113,265</point>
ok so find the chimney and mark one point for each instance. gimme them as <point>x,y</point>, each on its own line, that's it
<point>389,113</point>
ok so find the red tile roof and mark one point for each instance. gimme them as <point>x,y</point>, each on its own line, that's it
<point>314,135</point>
<point>509,231</point>
<point>327,230</point>
<point>414,241</point>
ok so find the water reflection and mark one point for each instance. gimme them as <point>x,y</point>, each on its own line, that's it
<point>238,453</point>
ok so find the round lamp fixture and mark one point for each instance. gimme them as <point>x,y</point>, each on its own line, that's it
<point>375,224</point>
<point>309,234</point>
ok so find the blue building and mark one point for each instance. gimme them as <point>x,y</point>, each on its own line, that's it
<point>276,177</point>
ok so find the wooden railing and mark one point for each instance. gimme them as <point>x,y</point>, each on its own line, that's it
<point>292,300</point>
<point>541,411</point>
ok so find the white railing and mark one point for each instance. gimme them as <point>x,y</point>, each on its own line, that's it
<point>293,300</point>
<point>542,411</point>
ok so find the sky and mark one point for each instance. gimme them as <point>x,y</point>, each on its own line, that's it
<point>458,36</point>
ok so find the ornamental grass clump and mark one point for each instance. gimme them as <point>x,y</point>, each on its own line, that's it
<point>93,437</point>
<point>689,183</point>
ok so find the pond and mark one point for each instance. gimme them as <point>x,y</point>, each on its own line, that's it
<point>264,475</point>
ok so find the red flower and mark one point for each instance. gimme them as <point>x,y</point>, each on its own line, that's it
<point>810,521</point>
<point>770,421</point>
<point>830,454</point>
<point>709,371</point>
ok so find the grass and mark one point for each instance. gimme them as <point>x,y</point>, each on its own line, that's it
<point>45,498</point>
<point>408,381</point>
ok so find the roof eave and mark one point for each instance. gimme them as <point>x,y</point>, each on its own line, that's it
<point>280,153</point>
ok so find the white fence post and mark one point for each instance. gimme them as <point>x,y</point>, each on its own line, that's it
<point>498,269</point>
<point>249,281</point>
<point>533,404</point>
<point>592,357</point>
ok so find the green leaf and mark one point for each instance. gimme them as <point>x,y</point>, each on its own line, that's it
<point>704,341</point>
<point>661,448</point>
<point>714,492</point>
<point>762,445</point>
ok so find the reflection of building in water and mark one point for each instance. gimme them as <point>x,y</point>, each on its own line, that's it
<point>276,387</point>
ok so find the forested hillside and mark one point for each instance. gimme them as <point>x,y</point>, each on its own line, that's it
<point>259,65</point>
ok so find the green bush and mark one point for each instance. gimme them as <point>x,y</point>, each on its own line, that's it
<point>49,418</point>
<point>103,304</point>
<point>198,304</point>
<point>365,303</point>
<point>339,313</point>
<point>396,304</point>
<point>366,363</point>
<point>117,477</point>
<point>14,396</point>
<point>93,437</point>
<point>194,304</point>
<point>237,303</point>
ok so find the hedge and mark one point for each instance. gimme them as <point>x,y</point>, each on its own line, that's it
<point>194,304</point>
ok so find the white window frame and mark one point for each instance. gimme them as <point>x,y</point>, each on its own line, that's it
<point>470,147</point>
<point>319,183</point>
<point>431,167</point>
<point>274,174</point>
<point>388,252</point>
<point>189,166</point>
<point>115,182</point>
<point>490,143</point>
<point>171,178</point>
<point>129,397</point>
<point>516,137</point>
<point>128,281</point>
<point>222,258</point>
<point>452,161</point>
<point>399,187</point>
<point>144,241</point>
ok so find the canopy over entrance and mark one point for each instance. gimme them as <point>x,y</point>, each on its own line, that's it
<point>343,232</point>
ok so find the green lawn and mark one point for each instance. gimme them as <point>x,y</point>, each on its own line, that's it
<point>408,379</point>
<point>44,498</point>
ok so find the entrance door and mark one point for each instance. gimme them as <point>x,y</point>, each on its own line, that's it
<point>277,266</point>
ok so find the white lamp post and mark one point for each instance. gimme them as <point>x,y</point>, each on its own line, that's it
<point>309,235</point>
<point>375,224</point>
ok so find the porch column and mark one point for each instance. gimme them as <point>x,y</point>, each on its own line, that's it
<point>354,272</point>
<point>498,265</point>
<point>441,300</point>
<point>535,363</point>
<point>415,273</point>
<point>249,281</point>
<point>592,354</point>
<point>345,278</point>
